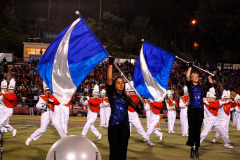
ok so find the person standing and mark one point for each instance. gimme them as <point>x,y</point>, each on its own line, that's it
<point>183,104</point>
<point>102,112</point>
<point>93,104</point>
<point>195,110</point>
<point>107,108</point>
<point>30,107</point>
<point>118,130</point>
<point>237,108</point>
<point>171,107</point>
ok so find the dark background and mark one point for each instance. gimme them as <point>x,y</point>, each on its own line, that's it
<point>123,23</point>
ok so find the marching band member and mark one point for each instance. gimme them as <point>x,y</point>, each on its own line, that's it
<point>195,110</point>
<point>171,107</point>
<point>107,109</point>
<point>93,108</point>
<point>148,111</point>
<point>47,103</point>
<point>211,119</point>
<point>237,108</point>
<point>64,115</point>
<point>224,112</point>
<point>154,119</point>
<point>3,90</point>
<point>183,104</point>
<point>102,113</point>
<point>233,111</point>
<point>133,116</point>
<point>8,100</point>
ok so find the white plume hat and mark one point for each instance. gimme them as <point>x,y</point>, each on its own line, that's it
<point>12,84</point>
<point>45,87</point>
<point>3,84</point>
<point>95,90</point>
<point>185,89</point>
<point>211,93</point>
<point>225,94</point>
<point>169,93</point>
<point>237,98</point>
<point>103,92</point>
<point>128,88</point>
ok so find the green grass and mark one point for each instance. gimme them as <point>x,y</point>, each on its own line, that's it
<point>172,146</point>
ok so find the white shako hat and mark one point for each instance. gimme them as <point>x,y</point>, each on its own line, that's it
<point>95,90</point>
<point>45,87</point>
<point>4,84</point>
<point>237,98</point>
<point>225,94</point>
<point>12,84</point>
<point>185,89</point>
<point>211,93</point>
<point>169,93</point>
<point>128,88</point>
<point>103,92</point>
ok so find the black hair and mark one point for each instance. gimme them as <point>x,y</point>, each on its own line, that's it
<point>115,91</point>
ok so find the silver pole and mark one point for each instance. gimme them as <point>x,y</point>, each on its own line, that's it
<point>127,81</point>
<point>194,66</point>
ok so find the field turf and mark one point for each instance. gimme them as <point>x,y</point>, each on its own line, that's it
<point>172,147</point>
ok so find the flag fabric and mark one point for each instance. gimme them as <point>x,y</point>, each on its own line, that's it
<point>73,54</point>
<point>152,71</point>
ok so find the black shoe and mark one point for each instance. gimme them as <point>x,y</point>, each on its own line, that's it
<point>192,153</point>
<point>196,153</point>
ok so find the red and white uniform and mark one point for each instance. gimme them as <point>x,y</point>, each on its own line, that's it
<point>154,118</point>
<point>134,119</point>
<point>237,112</point>
<point>102,114</point>
<point>224,116</point>
<point>183,104</point>
<point>49,114</point>
<point>107,110</point>
<point>93,108</point>
<point>211,121</point>
<point>148,112</point>
<point>8,102</point>
<point>63,112</point>
<point>171,107</point>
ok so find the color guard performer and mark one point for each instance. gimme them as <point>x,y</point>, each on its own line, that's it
<point>9,99</point>
<point>93,108</point>
<point>47,103</point>
<point>171,107</point>
<point>211,119</point>
<point>183,104</point>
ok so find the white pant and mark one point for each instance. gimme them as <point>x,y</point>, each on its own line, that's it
<point>30,111</point>
<point>234,115</point>
<point>148,112</point>
<point>47,117</point>
<point>64,116</point>
<point>238,119</point>
<point>91,118</point>
<point>184,120</point>
<point>212,122</point>
<point>224,121</point>
<point>102,116</point>
<point>107,115</point>
<point>171,119</point>
<point>4,121</point>
<point>154,119</point>
<point>135,121</point>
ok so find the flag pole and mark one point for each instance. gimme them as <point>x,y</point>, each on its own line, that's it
<point>122,74</point>
<point>194,65</point>
<point>188,63</point>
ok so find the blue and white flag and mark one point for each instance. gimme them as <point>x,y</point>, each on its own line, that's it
<point>73,54</point>
<point>152,71</point>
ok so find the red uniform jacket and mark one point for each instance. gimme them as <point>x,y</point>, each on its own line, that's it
<point>135,100</point>
<point>156,107</point>
<point>213,107</point>
<point>170,104</point>
<point>94,104</point>
<point>185,100</point>
<point>52,101</point>
<point>227,107</point>
<point>9,100</point>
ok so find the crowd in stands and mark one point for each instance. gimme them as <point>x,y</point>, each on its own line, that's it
<point>29,83</point>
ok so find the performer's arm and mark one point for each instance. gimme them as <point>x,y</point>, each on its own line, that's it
<point>188,74</point>
<point>134,105</point>
<point>41,104</point>
<point>109,73</point>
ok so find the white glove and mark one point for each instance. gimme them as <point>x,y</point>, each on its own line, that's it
<point>205,101</point>
<point>3,92</point>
